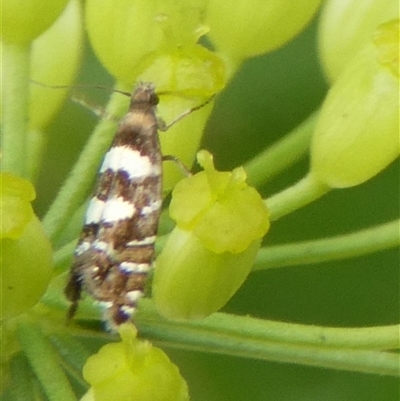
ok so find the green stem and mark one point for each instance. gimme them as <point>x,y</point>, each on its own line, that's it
<point>63,254</point>
<point>281,154</point>
<point>352,349</point>
<point>45,363</point>
<point>362,242</point>
<point>75,189</point>
<point>74,355</point>
<point>300,194</point>
<point>15,100</point>
<point>71,229</point>
<point>374,239</point>
<point>21,376</point>
<point>36,145</point>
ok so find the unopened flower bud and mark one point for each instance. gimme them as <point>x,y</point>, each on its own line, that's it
<point>357,134</point>
<point>220,223</point>
<point>132,370</point>
<point>26,267</point>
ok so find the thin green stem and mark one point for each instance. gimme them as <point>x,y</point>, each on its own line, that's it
<point>352,349</point>
<point>74,355</point>
<point>64,253</point>
<point>298,195</point>
<point>75,189</point>
<point>36,145</point>
<point>367,338</point>
<point>20,379</point>
<point>282,154</point>
<point>15,100</point>
<point>44,362</point>
<point>71,229</point>
<point>362,242</point>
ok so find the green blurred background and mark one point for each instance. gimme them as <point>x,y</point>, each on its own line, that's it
<point>267,98</point>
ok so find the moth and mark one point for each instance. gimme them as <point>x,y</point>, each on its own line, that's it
<point>116,246</point>
<point>115,250</point>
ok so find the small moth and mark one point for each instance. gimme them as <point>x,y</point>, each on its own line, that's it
<point>116,247</point>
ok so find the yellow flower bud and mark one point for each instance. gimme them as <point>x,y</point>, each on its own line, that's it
<point>357,134</point>
<point>138,29</point>
<point>220,223</point>
<point>26,267</point>
<point>346,26</point>
<point>23,21</point>
<point>133,370</point>
<point>246,28</point>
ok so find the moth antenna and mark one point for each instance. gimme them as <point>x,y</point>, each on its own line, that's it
<point>96,110</point>
<point>80,86</point>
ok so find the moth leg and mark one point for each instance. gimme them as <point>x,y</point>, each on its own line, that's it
<point>162,126</point>
<point>179,163</point>
<point>73,292</point>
